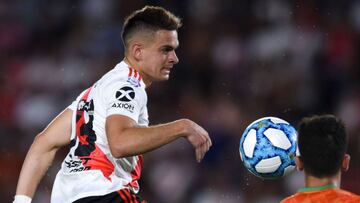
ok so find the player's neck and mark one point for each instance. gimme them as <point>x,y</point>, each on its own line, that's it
<point>134,65</point>
<point>311,181</point>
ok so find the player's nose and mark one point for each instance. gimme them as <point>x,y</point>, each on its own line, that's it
<point>173,58</point>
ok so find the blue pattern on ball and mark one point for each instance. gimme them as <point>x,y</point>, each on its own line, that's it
<point>264,149</point>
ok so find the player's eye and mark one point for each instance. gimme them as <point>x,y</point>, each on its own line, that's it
<point>167,49</point>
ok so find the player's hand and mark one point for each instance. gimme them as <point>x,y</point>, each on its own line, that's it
<point>198,138</point>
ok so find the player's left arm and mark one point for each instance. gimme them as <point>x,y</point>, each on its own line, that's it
<point>42,152</point>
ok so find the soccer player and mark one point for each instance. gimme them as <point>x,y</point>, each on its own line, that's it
<point>107,125</point>
<point>322,142</point>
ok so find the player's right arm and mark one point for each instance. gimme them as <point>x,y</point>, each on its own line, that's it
<point>42,152</point>
<point>127,139</point>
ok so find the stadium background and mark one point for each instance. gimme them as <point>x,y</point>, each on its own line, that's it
<point>239,60</point>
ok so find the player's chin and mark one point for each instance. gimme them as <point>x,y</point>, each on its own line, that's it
<point>164,77</point>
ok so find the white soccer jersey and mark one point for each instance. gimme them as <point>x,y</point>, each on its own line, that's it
<point>89,169</point>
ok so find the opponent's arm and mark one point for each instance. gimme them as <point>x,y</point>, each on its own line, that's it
<point>42,152</point>
<point>127,139</point>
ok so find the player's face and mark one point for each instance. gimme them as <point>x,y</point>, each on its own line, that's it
<point>159,57</point>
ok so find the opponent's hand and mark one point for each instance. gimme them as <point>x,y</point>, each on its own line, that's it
<point>198,138</point>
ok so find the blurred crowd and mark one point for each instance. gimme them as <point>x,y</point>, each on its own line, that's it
<point>239,61</point>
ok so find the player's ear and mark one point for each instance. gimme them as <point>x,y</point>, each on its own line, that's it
<point>136,51</point>
<point>299,163</point>
<point>345,163</point>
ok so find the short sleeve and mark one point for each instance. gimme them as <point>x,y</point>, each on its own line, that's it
<point>124,99</point>
<point>73,105</point>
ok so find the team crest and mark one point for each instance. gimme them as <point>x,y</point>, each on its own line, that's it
<point>134,81</point>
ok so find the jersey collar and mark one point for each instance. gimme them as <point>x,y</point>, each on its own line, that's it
<point>307,189</point>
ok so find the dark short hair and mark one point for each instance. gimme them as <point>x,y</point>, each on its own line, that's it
<point>322,142</point>
<point>149,19</point>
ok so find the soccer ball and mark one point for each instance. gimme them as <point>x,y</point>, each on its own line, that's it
<point>268,147</point>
